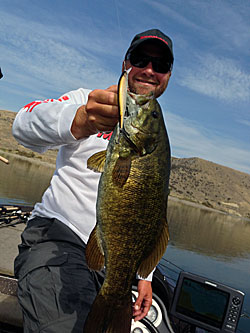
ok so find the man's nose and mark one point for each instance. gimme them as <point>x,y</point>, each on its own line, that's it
<point>149,69</point>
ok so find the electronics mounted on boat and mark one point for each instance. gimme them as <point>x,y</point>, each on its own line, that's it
<point>207,304</point>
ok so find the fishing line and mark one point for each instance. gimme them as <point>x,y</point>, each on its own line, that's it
<point>118,19</point>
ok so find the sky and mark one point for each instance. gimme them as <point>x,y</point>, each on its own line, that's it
<point>50,47</point>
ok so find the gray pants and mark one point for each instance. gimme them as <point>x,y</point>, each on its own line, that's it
<point>55,286</point>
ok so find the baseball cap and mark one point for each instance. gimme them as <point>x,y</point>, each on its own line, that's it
<point>151,35</point>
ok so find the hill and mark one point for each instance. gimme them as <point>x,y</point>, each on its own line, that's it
<point>211,184</point>
<point>193,179</point>
<point>10,145</point>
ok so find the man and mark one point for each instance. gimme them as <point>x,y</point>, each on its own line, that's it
<point>56,288</point>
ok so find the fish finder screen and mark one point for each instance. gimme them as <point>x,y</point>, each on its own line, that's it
<point>203,302</point>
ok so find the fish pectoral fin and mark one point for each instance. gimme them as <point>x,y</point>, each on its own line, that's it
<point>150,262</point>
<point>94,251</point>
<point>121,171</point>
<point>96,162</point>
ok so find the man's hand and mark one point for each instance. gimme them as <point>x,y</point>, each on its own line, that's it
<point>99,114</point>
<point>144,300</point>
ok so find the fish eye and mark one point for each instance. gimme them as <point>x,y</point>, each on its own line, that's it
<point>155,114</point>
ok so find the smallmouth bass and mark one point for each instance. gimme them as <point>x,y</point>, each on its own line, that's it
<point>131,233</point>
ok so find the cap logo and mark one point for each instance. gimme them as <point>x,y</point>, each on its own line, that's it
<point>154,37</point>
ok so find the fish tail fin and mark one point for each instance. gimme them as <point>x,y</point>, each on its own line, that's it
<point>110,315</point>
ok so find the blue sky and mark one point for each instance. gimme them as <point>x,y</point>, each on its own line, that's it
<point>50,47</point>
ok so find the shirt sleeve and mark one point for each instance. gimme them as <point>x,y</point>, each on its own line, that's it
<point>148,278</point>
<point>43,125</point>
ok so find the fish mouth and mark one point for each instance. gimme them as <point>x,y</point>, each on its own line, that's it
<point>140,130</point>
<point>130,142</point>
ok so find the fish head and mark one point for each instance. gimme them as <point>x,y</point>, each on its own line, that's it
<point>143,122</point>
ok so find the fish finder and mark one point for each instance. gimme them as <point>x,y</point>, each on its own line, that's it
<point>206,304</point>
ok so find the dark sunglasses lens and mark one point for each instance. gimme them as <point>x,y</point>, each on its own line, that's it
<point>159,64</point>
<point>138,60</point>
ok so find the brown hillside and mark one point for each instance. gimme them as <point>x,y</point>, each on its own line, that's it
<point>192,179</point>
<point>211,184</point>
<point>10,145</point>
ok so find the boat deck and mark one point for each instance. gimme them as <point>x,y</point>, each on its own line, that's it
<point>10,312</point>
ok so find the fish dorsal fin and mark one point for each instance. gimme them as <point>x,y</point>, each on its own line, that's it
<point>149,263</point>
<point>96,162</point>
<point>121,171</point>
<point>94,251</point>
<point>122,95</point>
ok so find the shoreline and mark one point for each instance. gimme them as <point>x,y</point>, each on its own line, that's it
<point>204,207</point>
<point>32,160</point>
<point>193,202</point>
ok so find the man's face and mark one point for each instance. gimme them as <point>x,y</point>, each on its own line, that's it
<point>146,79</point>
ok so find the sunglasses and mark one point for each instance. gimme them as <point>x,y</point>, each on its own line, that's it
<point>159,64</point>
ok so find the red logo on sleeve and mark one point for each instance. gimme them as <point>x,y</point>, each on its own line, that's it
<point>105,136</point>
<point>29,107</point>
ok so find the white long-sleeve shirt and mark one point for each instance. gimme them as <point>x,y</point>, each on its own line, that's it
<point>71,196</point>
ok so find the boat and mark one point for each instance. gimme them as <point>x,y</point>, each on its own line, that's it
<point>166,315</point>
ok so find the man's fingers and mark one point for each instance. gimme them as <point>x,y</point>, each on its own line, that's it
<point>103,124</point>
<point>140,311</point>
<point>113,88</point>
<point>102,110</point>
<point>144,300</point>
<point>106,97</point>
<point>99,114</point>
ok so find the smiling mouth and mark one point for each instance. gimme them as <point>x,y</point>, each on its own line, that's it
<point>145,82</point>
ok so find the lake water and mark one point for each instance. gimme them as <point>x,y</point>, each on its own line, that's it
<point>203,242</point>
<point>23,182</point>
